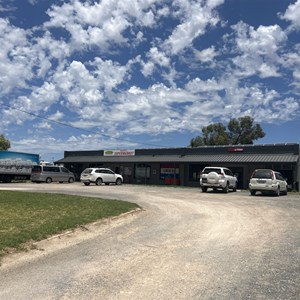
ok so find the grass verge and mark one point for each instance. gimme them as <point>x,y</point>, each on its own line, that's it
<point>26,217</point>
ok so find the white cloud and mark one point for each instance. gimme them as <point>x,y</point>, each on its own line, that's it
<point>292,15</point>
<point>258,50</point>
<point>43,125</point>
<point>158,57</point>
<point>196,17</point>
<point>292,63</point>
<point>14,58</point>
<point>77,85</point>
<point>23,108</point>
<point>52,48</point>
<point>101,24</point>
<point>109,74</point>
<point>206,55</point>
<point>197,85</point>
<point>7,6</point>
<point>56,116</point>
<point>147,68</point>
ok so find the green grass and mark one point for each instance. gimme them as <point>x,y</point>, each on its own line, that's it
<point>27,217</point>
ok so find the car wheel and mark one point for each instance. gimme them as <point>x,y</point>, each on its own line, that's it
<point>285,191</point>
<point>234,187</point>
<point>71,180</point>
<point>48,180</point>
<point>87,183</point>
<point>226,189</point>
<point>252,192</point>
<point>277,192</point>
<point>204,189</point>
<point>118,181</point>
<point>99,181</point>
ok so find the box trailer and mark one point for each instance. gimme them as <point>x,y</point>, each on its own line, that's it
<point>16,165</point>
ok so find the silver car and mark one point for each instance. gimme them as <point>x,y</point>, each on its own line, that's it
<point>51,173</point>
<point>265,180</point>
<point>99,176</point>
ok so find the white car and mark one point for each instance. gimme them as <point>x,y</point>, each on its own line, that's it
<point>265,180</point>
<point>218,178</point>
<point>99,176</point>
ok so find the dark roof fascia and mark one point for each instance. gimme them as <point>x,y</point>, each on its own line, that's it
<point>247,149</point>
<point>292,148</point>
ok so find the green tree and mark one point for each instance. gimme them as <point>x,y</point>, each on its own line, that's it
<point>213,134</point>
<point>239,131</point>
<point>4,143</point>
<point>243,131</point>
<point>197,142</point>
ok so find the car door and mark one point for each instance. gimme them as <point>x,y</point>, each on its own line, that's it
<point>230,177</point>
<point>65,174</point>
<point>281,181</point>
<point>109,176</point>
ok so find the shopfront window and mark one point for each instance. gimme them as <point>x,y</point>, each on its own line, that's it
<point>142,171</point>
<point>194,171</point>
<point>169,171</point>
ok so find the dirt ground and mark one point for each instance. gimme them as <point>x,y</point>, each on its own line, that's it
<point>184,244</point>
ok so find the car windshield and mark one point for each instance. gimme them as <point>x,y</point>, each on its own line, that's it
<point>265,174</point>
<point>208,170</point>
<point>87,171</point>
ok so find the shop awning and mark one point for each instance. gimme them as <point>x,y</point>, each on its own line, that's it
<point>206,158</point>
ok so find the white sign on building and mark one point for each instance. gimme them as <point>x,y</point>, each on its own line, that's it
<point>119,152</point>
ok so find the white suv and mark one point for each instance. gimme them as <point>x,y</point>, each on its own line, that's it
<point>99,176</point>
<point>265,180</point>
<point>217,178</point>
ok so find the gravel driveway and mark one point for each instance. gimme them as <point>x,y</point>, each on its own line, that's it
<point>184,245</point>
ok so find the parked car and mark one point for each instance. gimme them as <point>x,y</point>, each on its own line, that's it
<point>265,180</point>
<point>51,173</point>
<point>99,176</point>
<point>218,178</point>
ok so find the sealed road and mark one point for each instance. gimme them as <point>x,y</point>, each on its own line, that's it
<point>184,245</point>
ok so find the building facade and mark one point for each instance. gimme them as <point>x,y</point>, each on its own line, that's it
<point>182,166</point>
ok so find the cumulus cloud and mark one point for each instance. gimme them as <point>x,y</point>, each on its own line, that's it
<point>101,24</point>
<point>15,59</point>
<point>207,55</point>
<point>292,15</point>
<point>258,50</point>
<point>196,17</point>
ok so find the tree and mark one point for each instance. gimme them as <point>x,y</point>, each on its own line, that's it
<point>4,143</point>
<point>239,131</point>
<point>197,142</point>
<point>243,131</point>
<point>213,134</point>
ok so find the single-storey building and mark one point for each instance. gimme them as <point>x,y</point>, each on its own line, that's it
<point>182,166</point>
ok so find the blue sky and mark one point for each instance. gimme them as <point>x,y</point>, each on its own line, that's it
<point>110,74</point>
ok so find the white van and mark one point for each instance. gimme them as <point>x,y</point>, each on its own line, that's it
<point>51,173</point>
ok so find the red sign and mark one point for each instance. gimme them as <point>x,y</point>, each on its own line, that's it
<point>233,149</point>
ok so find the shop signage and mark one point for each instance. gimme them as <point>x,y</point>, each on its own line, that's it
<point>169,170</point>
<point>119,152</point>
<point>235,149</point>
